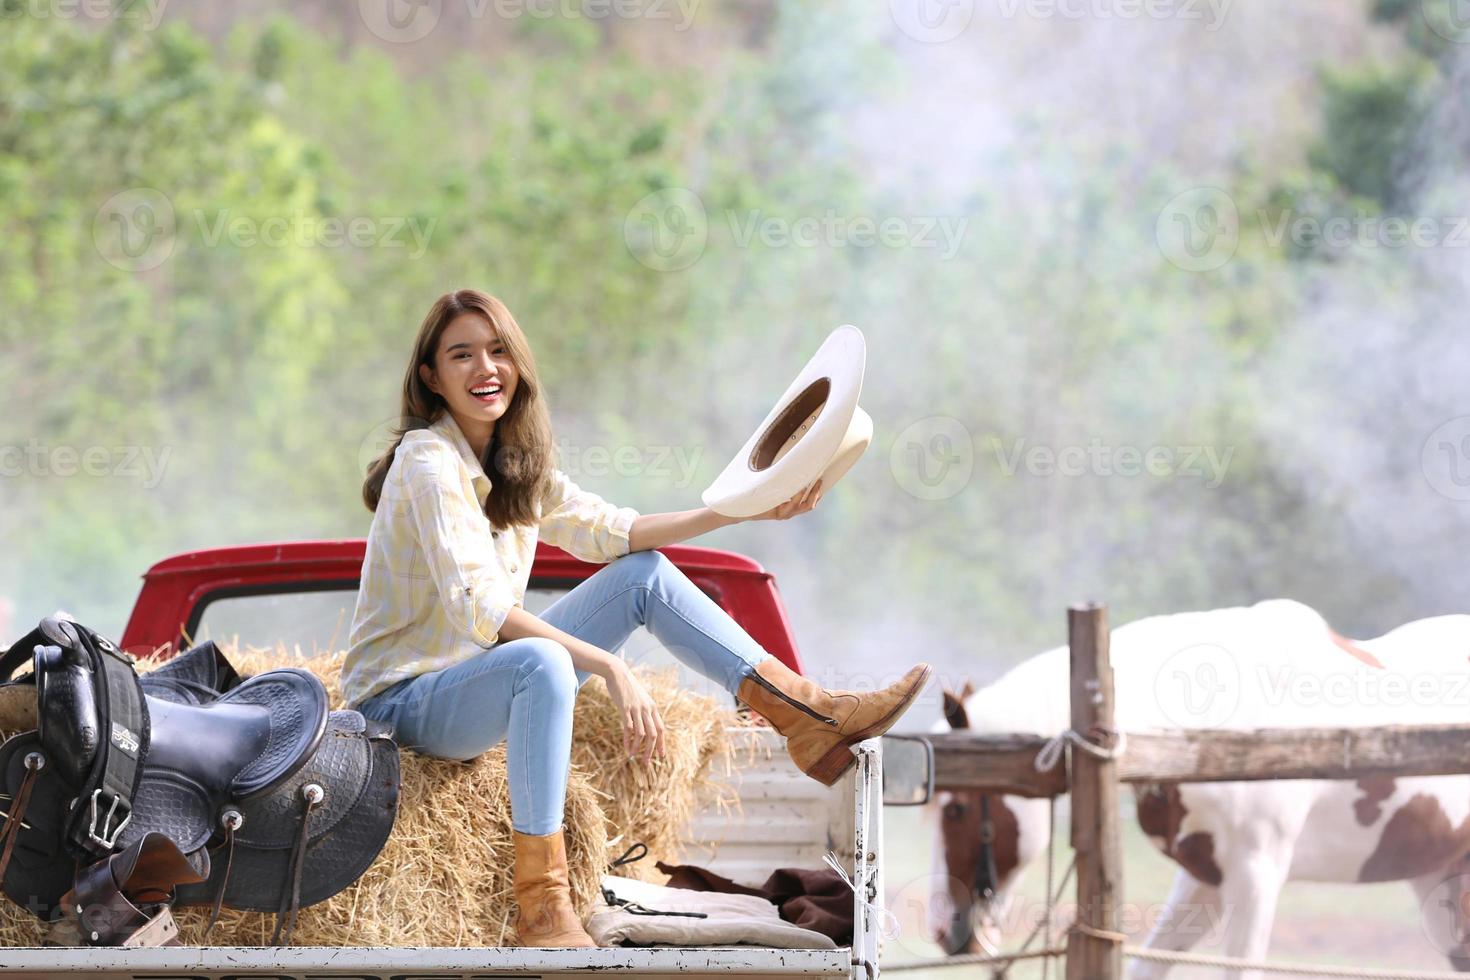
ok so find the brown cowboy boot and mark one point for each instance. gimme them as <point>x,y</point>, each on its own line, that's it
<point>820,725</point>
<point>546,917</point>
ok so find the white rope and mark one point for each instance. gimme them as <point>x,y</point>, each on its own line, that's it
<point>1297,969</point>
<point>890,921</point>
<point>1186,959</point>
<point>981,959</point>
<point>1051,752</point>
<point>1051,850</point>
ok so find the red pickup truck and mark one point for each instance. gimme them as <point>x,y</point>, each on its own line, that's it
<point>296,590</point>
<point>302,593</point>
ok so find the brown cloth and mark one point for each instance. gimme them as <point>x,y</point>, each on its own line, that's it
<point>815,899</point>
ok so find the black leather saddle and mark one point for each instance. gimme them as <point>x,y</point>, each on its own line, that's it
<point>257,770</point>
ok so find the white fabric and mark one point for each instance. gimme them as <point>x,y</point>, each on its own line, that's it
<point>733,920</point>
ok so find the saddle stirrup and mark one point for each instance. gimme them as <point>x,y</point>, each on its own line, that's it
<point>126,899</point>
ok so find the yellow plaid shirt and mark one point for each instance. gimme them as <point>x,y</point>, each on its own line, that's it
<point>437,580</point>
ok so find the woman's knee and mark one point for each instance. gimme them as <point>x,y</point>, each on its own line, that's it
<point>546,665</point>
<point>646,565</point>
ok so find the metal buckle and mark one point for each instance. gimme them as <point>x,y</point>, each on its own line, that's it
<point>104,839</point>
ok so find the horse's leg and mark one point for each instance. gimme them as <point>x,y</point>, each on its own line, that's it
<point>1192,911</point>
<point>1250,891</point>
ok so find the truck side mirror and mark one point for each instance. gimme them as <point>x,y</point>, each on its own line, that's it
<point>908,770</point>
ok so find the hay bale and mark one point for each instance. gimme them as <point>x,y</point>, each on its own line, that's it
<point>444,877</point>
<point>652,804</point>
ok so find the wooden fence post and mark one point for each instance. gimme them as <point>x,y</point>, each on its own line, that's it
<point>1090,955</point>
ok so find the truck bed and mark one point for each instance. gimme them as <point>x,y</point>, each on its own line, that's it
<point>784,819</point>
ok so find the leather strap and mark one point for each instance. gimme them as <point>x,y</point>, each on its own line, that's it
<point>21,652</point>
<point>15,816</point>
<point>105,803</point>
<point>313,795</point>
<point>16,656</point>
<point>224,882</point>
<point>986,876</point>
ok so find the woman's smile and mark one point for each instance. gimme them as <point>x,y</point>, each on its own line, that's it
<point>487,394</point>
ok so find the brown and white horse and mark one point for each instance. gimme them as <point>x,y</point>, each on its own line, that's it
<point>1274,664</point>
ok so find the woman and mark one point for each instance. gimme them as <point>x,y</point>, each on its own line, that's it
<point>442,649</point>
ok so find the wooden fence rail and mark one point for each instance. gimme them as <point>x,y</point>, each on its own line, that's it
<point>1006,763</point>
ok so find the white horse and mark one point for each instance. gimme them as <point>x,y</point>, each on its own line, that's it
<point>1274,664</point>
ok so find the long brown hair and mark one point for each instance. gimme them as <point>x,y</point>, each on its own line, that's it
<point>520,457</point>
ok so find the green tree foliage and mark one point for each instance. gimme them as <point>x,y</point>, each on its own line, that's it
<point>119,148</point>
<point>1371,114</point>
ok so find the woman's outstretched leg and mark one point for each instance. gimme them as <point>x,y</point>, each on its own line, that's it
<point>645,588</point>
<point>820,726</point>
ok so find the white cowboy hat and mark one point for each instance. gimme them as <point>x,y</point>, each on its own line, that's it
<point>815,431</point>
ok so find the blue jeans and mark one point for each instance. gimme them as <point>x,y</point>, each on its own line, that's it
<point>523,690</point>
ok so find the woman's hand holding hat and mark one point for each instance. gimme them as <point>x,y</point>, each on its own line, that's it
<point>799,504</point>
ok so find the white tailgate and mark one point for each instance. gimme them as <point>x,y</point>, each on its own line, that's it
<point>784,818</point>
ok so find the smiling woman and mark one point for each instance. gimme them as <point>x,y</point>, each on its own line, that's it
<point>443,650</point>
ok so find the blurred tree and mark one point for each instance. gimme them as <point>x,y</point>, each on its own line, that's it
<point>1371,114</point>
<point>148,307</point>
